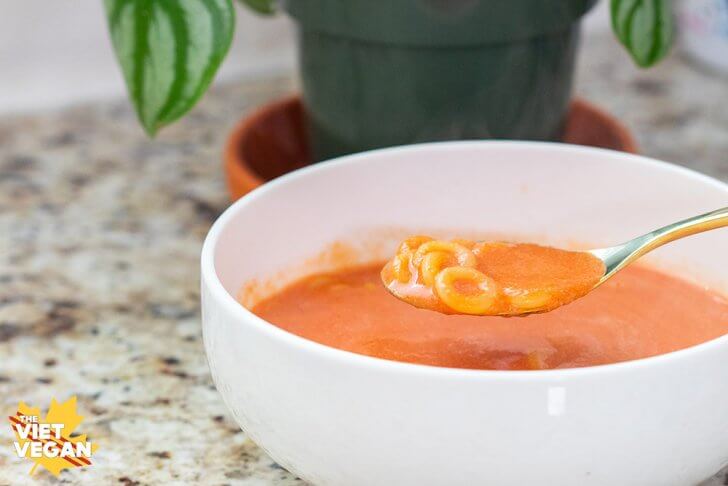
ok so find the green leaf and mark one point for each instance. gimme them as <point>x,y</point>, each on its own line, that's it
<point>169,51</point>
<point>644,27</point>
<point>265,7</point>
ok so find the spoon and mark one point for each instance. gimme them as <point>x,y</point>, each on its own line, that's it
<point>617,257</point>
<point>495,278</point>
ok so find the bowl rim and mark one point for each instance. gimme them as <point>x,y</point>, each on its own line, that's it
<point>222,297</point>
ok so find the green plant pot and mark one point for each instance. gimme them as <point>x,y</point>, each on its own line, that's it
<point>378,74</point>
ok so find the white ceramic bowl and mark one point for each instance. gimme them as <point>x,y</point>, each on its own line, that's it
<point>338,418</point>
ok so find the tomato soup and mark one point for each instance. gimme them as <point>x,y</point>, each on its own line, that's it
<point>488,278</point>
<point>640,312</point>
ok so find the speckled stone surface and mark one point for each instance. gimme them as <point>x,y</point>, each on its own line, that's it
<point>100,231</point>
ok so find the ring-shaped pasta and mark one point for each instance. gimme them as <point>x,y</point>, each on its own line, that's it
<point>432,264</point>
<point>530,301</point>
<point>411,244</point>
<point>477,303</point>
<point>535,361</point>
<point>464,256</point>
<point>400,267</point>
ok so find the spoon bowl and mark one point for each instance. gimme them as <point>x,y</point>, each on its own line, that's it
<point>509,279</point>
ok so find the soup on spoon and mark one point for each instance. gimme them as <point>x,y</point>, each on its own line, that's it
<point>507,279</point>
<point>488,278</point>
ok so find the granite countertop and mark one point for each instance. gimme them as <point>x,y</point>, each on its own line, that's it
<point>100,232</point>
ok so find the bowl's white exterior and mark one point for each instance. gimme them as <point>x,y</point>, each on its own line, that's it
<point>337,418</point>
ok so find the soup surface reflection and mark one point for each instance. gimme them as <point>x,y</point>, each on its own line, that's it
<point>638,313</point>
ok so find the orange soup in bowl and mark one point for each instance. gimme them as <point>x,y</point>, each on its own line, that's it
<point>640,312</point>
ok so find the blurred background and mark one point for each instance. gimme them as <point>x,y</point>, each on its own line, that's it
<point>58,52</point>
<point>66,55</point>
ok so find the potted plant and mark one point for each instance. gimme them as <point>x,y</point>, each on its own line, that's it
<point>387,73</point>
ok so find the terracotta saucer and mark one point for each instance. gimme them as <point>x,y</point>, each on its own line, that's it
<point>271,141</point>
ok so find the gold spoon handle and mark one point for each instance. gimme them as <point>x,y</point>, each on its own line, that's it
<point>617,257</point>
